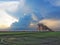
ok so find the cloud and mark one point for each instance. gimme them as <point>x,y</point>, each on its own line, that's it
<point>55,2</point>
<point>24,22</point>
<point>22,3</point>
<point>34,17</point>
<point>9,0</point>
<point>9,6</point>
<point>42,10</point>
<point>5,18</point>
<point>52,23</point>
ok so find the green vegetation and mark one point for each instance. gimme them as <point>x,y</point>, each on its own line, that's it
<point>29,38</point>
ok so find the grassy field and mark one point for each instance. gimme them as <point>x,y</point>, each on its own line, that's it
<point>29,38</point>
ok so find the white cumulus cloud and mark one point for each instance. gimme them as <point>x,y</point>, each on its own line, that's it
<point>9,6</point>
<point>5,18</point>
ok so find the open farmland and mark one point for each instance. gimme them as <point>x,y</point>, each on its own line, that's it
<point>29,38</point>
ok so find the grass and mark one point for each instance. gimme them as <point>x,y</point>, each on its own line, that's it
<point>29,38</point>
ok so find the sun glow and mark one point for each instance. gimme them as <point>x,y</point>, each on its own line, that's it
<point>5,19</point>
<point>50,22</point>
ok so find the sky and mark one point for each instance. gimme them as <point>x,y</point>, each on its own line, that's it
<point>26,14</point>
